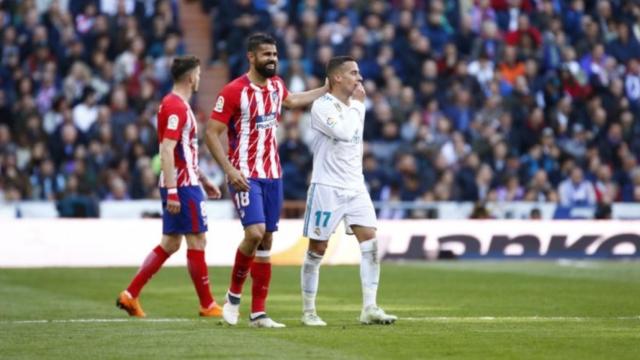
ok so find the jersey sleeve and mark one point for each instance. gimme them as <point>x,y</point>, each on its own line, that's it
<point>326,118</point>
<point>176,118</point>
<point>226,105</point>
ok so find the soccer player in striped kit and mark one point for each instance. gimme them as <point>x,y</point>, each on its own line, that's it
<point>249,109</point>
<point>183,201</point>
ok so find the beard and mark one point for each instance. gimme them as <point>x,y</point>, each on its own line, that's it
<point>266,72</point>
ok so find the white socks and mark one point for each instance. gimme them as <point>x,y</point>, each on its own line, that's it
<point>369,272</point>
<point>369,276</point>
<point>310,276</point>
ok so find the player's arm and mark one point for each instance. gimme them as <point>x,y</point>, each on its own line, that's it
<point>215,129</point>
<point>167,148</point>
<point>302,99</point>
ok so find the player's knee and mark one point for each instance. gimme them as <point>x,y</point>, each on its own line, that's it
<point>197,243</point>
<point>265,244</point>
<point>318,247</point>
<point>171,246</point>
<point>365,233</point>
<point>254,235</point>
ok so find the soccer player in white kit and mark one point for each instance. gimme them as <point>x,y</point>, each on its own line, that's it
<point>338,191</point>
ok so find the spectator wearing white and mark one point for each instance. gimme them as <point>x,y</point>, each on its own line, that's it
<point>112,7</point>
<point>126,62</point>
<point>632,81</point>
<point>576,190</point>
<point>86,112</point>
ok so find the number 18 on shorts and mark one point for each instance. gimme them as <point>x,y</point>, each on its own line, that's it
<point>261,204</point>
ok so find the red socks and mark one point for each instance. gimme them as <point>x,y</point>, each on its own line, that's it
<point>149,267</point>
<point>240,271</point>
<point>261,277</point>
<point>200,276</point>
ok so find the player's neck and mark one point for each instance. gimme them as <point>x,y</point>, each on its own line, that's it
<point>344,98</point>
<point>256,78</point>
<point>184,92</point>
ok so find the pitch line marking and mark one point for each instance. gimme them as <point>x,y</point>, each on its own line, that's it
<point>416,319</point>
<point>515,318</point>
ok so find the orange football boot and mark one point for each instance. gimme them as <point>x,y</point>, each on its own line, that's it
<point>130,305</point>
<point>212,311</point>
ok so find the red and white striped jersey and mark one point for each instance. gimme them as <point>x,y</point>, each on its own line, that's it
<point>177,122</point>
<point>252,115</point>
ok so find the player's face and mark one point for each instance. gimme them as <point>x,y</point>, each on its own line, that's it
<point>265,60</point>
<point>195,79</point>
<point>349,77</point>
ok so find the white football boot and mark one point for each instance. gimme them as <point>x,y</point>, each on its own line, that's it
<point>375,315</point>
<point>265,322</point>
<point>312,319</point>
<point>230,312</point>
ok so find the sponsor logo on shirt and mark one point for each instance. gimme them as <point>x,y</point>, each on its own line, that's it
<point>219,104</point>
<point>173,122</point>
<point>266,121</point>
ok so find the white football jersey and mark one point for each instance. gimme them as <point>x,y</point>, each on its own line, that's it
<point>337,142</point>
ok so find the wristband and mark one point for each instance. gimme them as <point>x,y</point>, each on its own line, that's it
<point>172,194</point>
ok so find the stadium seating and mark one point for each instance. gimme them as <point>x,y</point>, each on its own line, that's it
<point>485,100</point>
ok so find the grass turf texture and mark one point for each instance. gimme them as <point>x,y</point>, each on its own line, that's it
<point>447,310</point>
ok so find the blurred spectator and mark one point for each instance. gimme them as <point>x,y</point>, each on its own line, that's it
<point>535,214</point>
<point>480,212</point>
<point>576,190</point>
<point>297,162</point>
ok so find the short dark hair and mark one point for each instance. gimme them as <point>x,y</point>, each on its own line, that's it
<point>255,40</point>
<point>336,62</point>
<point>182,65</point>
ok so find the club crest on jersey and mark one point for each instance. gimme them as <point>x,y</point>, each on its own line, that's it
<point>219,104</point>
<point>173,121</point>
<point>275,97</point>
<point>266,121</point>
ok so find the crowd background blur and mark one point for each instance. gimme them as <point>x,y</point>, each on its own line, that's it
<point>468,100</point>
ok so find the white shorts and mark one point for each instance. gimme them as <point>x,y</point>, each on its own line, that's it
<point>327,205</point>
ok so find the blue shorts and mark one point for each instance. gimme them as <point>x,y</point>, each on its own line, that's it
<point>192,218</point>
<point>261,204</point>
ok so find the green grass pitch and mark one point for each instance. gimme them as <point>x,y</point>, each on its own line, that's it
<point>512,310</point>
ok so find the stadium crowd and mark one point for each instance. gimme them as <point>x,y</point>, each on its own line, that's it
<point>483,100</point>
<point>79,88</point>
<point>469,100</point>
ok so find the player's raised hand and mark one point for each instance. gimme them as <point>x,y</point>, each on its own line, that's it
<point>173,201</point>
<point>237,180</point>
<point>212,190</point>
<point>359,93</point>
